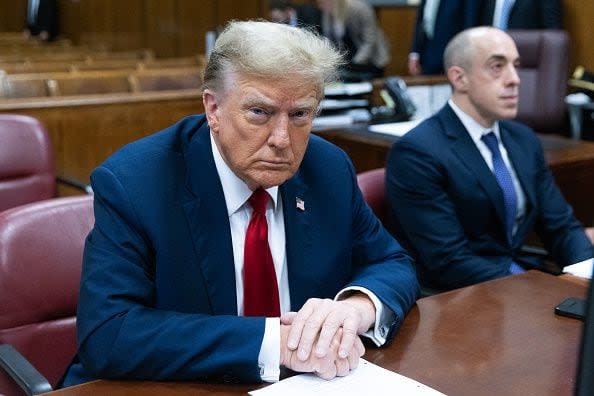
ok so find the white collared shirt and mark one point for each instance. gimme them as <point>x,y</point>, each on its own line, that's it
<point>476,132</point>
<point>236,194</point>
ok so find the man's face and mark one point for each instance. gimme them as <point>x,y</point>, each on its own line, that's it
<point>261,126</point>
<point>492,81</point>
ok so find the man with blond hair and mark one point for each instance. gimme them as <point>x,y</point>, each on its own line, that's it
<point>235,243</point>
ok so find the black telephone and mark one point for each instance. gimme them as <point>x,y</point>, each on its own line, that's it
<point>399,106</point>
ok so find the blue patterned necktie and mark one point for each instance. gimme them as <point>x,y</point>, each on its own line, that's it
<point>504,17</point>
<point>503,176</point>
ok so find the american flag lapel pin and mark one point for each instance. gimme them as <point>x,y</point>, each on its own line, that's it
<point>300,204</point>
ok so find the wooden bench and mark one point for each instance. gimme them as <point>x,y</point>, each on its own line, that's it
<point>89,83</point>
<point>166,79</point>
<point>85,130</point>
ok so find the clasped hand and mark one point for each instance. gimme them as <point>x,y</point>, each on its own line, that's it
<point>323,336</point>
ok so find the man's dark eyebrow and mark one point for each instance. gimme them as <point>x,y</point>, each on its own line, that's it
<point>498,57</point>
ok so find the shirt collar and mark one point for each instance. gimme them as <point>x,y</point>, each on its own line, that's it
<point>475,130</point>
<point>235,190</point>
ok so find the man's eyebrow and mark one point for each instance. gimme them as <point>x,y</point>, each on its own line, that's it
<point>499,57</point>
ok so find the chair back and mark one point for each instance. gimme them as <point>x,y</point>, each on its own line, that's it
<point>543,73</point>
<point>41,247</point>
<point>26,161</point>
<point>373,186</point>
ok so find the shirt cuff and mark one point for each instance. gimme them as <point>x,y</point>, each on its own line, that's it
<point>414,56</point>
<point>269,356</point>
<point>383,315</point>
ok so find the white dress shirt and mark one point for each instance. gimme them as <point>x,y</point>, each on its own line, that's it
<point>236,194</point>
<point>429,16</point>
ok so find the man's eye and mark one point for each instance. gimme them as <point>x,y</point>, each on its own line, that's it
<point>258,111</point>
<point>301,114</point>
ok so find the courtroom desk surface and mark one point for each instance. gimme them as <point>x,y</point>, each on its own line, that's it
<point>495,338</point>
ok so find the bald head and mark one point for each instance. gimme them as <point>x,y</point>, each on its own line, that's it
<point>462,47</point>
<point>482,70</point>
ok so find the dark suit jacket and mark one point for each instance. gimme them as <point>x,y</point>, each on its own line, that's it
<point>46,20</point>
<point>526,14</point>
<point>448,207</point>
<point>309,16</point>
<point>158,299</point>
<point>452,17</point>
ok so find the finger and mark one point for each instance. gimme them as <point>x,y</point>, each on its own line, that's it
<point>343,367</point>
<point>349,335</point>
<point>330,331</point>
<point>298,323</point>
<point>312,327</point>
<point>328,372</point>
<point>287,318</point>
<point>357,351</point>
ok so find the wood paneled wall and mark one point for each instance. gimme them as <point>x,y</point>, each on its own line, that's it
<point>177,27</point>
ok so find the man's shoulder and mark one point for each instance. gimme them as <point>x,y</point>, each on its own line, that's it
<point>427,133</point>
<point>168,141</point>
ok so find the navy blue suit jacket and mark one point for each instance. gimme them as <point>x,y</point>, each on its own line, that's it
<point>158,299</point>
<point>448,207</point>
<point>452,17</point>
<point>526,14</point>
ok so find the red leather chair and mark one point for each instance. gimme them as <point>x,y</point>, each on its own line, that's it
<point>543,72</point>
<point>372,184</point>
<point>41,246</point>
<point>26,161</point>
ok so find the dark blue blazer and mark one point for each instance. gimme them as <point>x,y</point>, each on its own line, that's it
<point>158,299</point>
<point>448,207</point>
<point>526,14</point>
<point>452,17</point>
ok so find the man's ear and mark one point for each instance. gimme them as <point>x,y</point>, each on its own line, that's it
<point>211,108</point>
<point>457,77</point>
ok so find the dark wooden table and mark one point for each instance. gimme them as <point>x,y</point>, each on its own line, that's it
<point>571,161</point>
<point>495,338</point>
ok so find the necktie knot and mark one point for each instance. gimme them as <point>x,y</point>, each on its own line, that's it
<point>258,201</point>
<point>490,139</point>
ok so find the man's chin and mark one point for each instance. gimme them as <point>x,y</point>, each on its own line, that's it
<point>273,178</point>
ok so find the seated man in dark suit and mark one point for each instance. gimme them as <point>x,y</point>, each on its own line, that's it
<point>467,186</point>
<point>300,15</point>
<point>234,243</point>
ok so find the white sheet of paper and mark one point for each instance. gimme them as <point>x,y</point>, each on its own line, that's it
<point>366,379</point>
<point>395,128</point>
<point>582,269</point>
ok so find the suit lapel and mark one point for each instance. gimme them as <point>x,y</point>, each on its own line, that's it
<point>207,217</point>
<point>464,148</point>
<point>297,234</point>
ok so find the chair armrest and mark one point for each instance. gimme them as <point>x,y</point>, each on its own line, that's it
<point>22,372</point>
<point>535,251</point>
<point>68,181</point>
<point>547,263</point>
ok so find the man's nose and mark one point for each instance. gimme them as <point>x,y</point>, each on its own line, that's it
<point>279,135</point>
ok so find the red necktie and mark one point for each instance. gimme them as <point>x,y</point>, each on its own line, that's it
<point>260,290</point>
